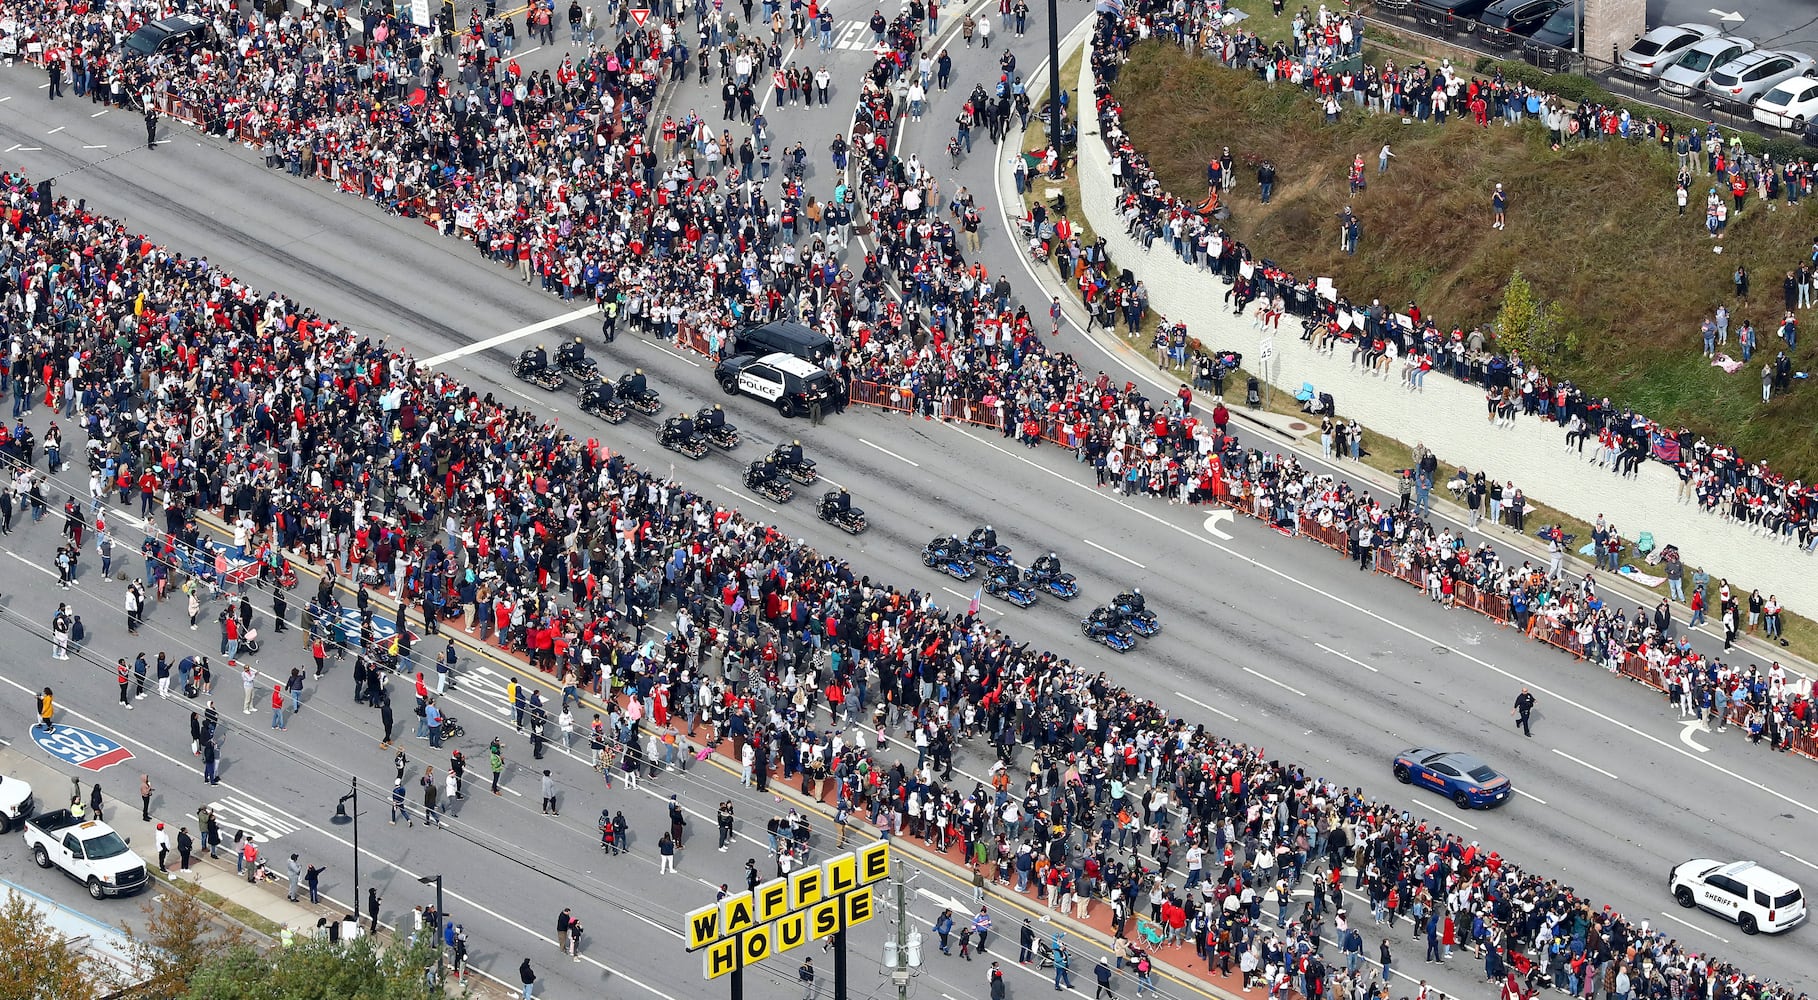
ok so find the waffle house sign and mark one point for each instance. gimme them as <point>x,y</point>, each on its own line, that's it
<point>785,913</point>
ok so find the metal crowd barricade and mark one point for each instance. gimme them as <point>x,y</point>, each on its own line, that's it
<point>880,395</point>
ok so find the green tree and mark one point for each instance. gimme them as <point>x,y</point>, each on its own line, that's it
<point>37,963</point>
<point>1530,327</point>
<point>180,932</point>
<point>315,970</point>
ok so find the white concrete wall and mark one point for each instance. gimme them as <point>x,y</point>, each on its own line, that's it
<point>1448,416</point>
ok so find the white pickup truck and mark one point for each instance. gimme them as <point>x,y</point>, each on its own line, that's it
<point>88,851</point>
<point>15,803</point>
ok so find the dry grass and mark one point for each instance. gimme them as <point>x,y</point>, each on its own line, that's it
<point>1594,226</point>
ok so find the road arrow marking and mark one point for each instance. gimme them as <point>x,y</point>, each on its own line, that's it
<point>1734,15</point>
<point>1216,518</point>
<point>1685,734</point>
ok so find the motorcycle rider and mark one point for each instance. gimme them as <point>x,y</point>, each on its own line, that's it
<point>571,354</point>
<point>598,394</point>
<point>1005,577</point>
<point>634,384</point>
<point>838,502</point>
<point>678,429</point>
<point>761,472</point>
<point>1132,600</point>
<point>535,360</point>
<point>792,454</point>
<point>713,419</point>
<point>1048,566</point>
<point>983,539</point>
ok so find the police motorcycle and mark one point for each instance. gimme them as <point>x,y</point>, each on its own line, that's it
<point>533,366</point>
<point>601,399</point>
<point>680,434</point>
<point>836,509</point>
<point>794,464</point>
<point>635,391</point>
<point>1136,613</point>
<point>1106,627</point>
<point>712,422</point>
<point>1046,575</point>
<point>982,544</point>
<point>572,361</point>
<point>949,556</point>
<point>1008,583</point>
<point>763,478</point>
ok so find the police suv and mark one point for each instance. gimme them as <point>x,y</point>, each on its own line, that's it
<point>1742,891</point>
<point>784,380</point>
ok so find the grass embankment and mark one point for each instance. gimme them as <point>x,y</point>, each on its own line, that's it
<point>1593,226</point>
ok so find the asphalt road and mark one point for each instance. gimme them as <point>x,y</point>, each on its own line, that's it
<point>1285,644</point>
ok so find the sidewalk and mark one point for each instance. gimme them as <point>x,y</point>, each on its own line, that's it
<point>1279,430</point>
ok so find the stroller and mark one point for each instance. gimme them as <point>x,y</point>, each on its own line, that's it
<point>452,728</point>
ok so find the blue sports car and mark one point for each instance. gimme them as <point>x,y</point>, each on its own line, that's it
<point>1464,779</point>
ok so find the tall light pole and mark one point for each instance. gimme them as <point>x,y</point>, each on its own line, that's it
<point>441,918</point>
<point>341,816</point>
<point>1055,132</point>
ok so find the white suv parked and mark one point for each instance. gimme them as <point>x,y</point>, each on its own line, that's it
<point>1742,891</point>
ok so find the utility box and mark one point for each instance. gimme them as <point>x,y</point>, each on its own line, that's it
<point>1611,26</point>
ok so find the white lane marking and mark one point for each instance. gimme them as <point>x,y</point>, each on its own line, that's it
<point>887,451</point>
<point>1352,659</point>
<point>1531,795</point>
<point>31,149</point>
<point>1687,728</point>
<point>509,336</point>
<point>1110,552</point>
<point>675,355</point>
<point>1271,680</point>
<point>33,565</point>
<point>8,97</point>
<point>1460,822</point>
<point>56,130</point>
<point>1209,708</point>
<point>1799,859</point>
<point>746,498</point>
<point>185,765</point>
<point>1693,926</point>
<point>831,483</point>
<point>100,112</point>
<point>11,148</point>
<point>1585,763</point>
<point>1216,518</point>
<point>101,146</point>
<point>1289,578</point>
<point>968,599</point>
<point>534,48</point>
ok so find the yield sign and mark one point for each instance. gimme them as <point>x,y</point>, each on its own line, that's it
<point>639,14</point>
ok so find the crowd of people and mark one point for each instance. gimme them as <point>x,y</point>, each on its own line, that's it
<point>198,394</point>
<point>1407,344</point>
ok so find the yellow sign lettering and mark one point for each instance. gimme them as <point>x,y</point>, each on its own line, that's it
<point>736,914</point>
<point>842,874</point>
<point>824,919</point>
<point>873,862</point>
<point>757,944</point>
<point>791,932</point>
<point>805,888</point>
<point>721,957</point>
<point>772,900</point>
<point>858,907</point>
<point>703,926</point>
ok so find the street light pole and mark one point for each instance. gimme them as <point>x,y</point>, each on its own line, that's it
<point>440,919</point>
<point>341,816</point>
<point>1055,132</point>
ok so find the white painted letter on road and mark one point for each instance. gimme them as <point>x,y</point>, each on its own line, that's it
<point>1217,517</point>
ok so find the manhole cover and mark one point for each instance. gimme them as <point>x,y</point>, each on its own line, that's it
<point>1441,650</point>
<point>1298,426</point>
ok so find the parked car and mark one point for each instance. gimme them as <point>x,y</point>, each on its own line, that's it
<point>1506,22</point>
<point>15,803</point>
<point>1740,81</point>
<point>1741,891</point>
<point>1694,65</point>
<point>1790,104</point>
<point>1553,44</point>
<point>89,852</point>
<point>167,34</point>
<point>1653,52</point>
<point>1450,16</point>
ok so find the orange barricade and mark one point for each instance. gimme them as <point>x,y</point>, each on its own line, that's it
<point>879,395</point>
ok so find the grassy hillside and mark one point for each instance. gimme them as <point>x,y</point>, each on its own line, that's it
<point>1593,226</point>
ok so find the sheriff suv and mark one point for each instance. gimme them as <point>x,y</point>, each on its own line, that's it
<point>783,380</point>
<point>1741,891</point>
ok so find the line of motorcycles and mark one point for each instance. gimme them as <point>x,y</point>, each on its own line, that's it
<point>599,397</point>
<point>1116,625</point>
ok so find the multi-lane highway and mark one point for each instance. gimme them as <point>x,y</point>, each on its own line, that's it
<point>1272,640</point>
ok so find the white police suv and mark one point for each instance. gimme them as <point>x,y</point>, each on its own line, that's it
<point>783,380</point>
<point>1742,891</point>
